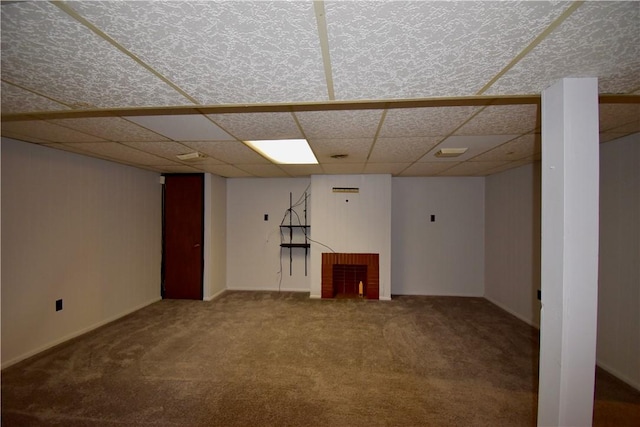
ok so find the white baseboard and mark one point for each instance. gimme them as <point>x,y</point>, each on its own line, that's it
<point>384,298</point>
<point>513,313</point>
<point>6,364</point>
<point>622,377</point>
<point>214,296</point>
<point>252,289</point>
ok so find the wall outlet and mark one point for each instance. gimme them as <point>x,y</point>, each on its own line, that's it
<point>266,217</point>
<point>58,305</point>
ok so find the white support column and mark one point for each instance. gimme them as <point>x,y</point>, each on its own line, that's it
<point>570,183</point>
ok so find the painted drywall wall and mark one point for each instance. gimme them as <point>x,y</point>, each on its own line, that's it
<point>255,260</point>
<point>79,229</point>
<point>444,257</point>
<point>512,241</point>
<point>351,222</point>
<point>215,236</point>
<point>618,343</point>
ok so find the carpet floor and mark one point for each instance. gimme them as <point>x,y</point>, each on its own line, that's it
<point>282,359</point>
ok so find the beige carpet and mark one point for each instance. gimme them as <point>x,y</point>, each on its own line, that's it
<point>269,359</point>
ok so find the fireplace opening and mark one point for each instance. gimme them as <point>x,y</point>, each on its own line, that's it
<point>347,279</point>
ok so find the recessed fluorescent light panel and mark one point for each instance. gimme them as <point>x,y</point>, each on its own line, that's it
<point>286,151</point>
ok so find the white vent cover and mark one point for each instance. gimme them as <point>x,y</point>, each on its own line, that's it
<point>451,152</point>
<point>191,157</point>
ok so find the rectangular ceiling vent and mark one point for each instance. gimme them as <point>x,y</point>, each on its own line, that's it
<point>191,157</point>
<point>451,152</point>
<point>346,189</point>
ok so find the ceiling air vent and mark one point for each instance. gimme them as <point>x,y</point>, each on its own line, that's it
<point>191,157</point>
<point>451,152</point>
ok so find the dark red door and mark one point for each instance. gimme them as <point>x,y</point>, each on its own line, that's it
<point>183,236</point>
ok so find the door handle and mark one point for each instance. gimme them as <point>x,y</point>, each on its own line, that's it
<point>197,245</point>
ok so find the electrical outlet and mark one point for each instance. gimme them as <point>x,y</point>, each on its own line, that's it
<point>266,217</point>
<point>433,218</point>
<point>58,305</point>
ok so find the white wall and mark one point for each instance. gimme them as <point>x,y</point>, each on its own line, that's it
<point>512,241</point>
<point>618,344</point>
<point>351,222</point>
<point>445,257</point>
<point>84,230</point>
<point>215,236</point>
<point>253,245</point>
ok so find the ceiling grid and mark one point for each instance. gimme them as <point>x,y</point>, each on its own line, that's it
<point>386,83</point>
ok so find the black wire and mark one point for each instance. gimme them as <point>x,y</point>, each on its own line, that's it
<point>304,230</point>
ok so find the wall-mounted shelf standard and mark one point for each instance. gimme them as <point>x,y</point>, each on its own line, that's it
<point>304,228</point>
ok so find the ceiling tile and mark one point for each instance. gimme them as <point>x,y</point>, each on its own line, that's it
<point>613,116</point>
<point>339,124</point>
<point>263,170</point>
<point>502,120</point>
<point>19,137</point>
<point>431,121</point>
<point>257,126</point>
<point>227,171</point>
<point>472,168</point>
<point>343,168</point>
<point>46,131</point>
<point>114,129</point>
<point>190,127</point>
<point>418,49</point>
<point>510,165</point>
<point>610,136</point>
<point>17,100</point>
<point>475,145</point>
<point>427,169</point>
<point>302,170</point>
<point>166,149</point>
<point>356,149</point>
<point>120,152</point>
<point>222,52</point>
<point>48,51</point>
<point>228,151</point>
<point>401,150</point>
<point>177,169</point>
<point>390,168</point>
<point>519,148</point>
<point>600,39</point>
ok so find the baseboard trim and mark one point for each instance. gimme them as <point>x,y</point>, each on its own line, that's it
<point>511,312</point>
<point>216,295</point>
<point>250,289</point>
<point>76,334</point>
<point>622,377</point>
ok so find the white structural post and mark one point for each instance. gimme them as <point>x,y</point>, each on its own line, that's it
<point>570,189</point>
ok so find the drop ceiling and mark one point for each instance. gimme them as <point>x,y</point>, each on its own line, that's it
<point>385,83</point>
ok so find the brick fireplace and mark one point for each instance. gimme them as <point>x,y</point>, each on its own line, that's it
<point>342,272</point>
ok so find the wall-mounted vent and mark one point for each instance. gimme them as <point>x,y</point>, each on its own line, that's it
<point>346,189</point>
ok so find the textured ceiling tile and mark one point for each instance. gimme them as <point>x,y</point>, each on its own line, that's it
<point>228,151</point>
<point>335,124</point>
<point>343,169</point>
<point>615,115</point>
<point>356,149</point>
<point>510,165</point>
<point>390,168</point>
<point>227,171</point>
<point>46,131</point>
<point>475,145</point>
<point>166,149</point>
<point>177,169</point>
<point>432,121</point>
<point>502,120</point>
<point>46,50</point>
<point>600,39</point>
<point>632,127</point>
<point>519,148</point>
<point>472,168</point>
<point>110,128</point>
<point>263,170</point>
<point>257,126</point>
<point>413,49</point>
<point>17,100</point>
<point>222,52</point>
<point>302,170</point>
<point>401,150</point>
<point>13,135</point>
<point>192,127</point>
<point>119,152</point>
<point>426,169</point>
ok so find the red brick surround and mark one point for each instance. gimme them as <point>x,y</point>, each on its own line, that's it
<point>373,272</point>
